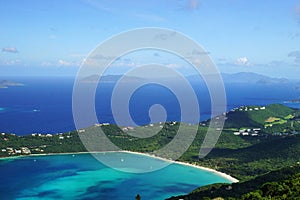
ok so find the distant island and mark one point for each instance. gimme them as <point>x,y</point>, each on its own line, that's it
<point>294,101</point>
<point>242,77</point>
<point>109,79</point>
<point>7,83</point>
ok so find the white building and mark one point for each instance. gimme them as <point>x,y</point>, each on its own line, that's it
<point>25,150</point>
<point>18,151</point>
<point>236,133</point>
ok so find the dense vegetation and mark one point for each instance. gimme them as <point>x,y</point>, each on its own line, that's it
<point>248,156</point>
<point>59,143</point>
<point>280,184</point>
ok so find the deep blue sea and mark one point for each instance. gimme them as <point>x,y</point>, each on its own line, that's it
<point>81,176</point>
<point>44,105</point>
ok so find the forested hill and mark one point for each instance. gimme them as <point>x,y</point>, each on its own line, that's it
<point>269,142</point>
<point>255,140</point>
<point>280,184</point>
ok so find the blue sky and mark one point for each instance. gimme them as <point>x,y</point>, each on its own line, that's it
<point>53,37</point>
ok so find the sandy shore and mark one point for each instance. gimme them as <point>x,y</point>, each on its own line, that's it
<point>224,175</point>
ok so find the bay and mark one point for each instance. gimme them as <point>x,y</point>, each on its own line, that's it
<point>81,176</point>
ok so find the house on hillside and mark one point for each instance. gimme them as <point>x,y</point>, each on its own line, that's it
<point>18,151</point>
<point>25,150</point>
<point>236,133</point>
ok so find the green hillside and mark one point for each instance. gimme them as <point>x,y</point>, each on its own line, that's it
<point>279,184</point>
<point>245,163</point>
<point>273,118</point>
<point>251,155</point>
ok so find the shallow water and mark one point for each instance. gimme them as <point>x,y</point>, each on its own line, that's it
<point>81,176</point>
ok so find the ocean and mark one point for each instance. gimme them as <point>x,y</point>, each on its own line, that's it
<point>81,176</point>
<point>44,105</point>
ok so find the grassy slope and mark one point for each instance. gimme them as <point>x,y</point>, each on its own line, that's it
<point>256,118</point>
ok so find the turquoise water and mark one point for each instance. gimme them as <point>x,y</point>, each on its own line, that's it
<point>81,176</point>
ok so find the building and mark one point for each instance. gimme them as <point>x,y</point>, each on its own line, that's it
<point>18,151</point>
<point>236,133</point>
<point>25,150</point>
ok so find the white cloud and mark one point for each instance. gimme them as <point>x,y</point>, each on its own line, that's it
<point>47,64</point>
<point>242,61</point>
<point>10,62</point>
<point>125,64</point>
<point>295,55</point>
<point>63,63</point>
<point>60,63</point>
<point>10,49</point>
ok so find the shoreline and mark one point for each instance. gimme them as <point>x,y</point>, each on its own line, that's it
<point>221,174</point>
